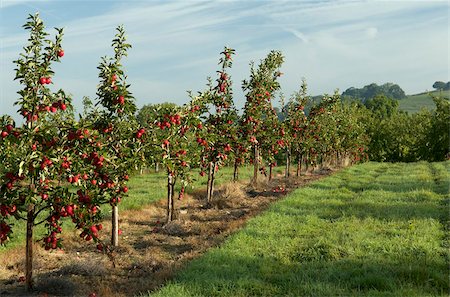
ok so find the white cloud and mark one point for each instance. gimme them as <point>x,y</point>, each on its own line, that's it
<point>371,32</point>
<point>299,35</point>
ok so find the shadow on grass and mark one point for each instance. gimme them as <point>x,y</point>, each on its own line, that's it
<point>223,274</point>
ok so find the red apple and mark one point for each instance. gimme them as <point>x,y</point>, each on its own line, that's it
<point>69,210</point>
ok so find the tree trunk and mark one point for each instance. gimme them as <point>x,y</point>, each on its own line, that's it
<point>270,172</point>
<point>157,167</point>
<point>170,194</point>
<point>236,171</point>
<point>29,249</point>
<point>308,157</point>
<point>210,187</point>
<point>212,181</point>
<point>115,226</point>
<point>299,165</point>
<point>255,165</point>
<point>287,173</point>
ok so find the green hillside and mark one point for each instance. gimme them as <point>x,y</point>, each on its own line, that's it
<point>413,103</point>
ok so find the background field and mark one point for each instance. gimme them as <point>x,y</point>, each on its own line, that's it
<point>414,103</point>
<point>376,229</point>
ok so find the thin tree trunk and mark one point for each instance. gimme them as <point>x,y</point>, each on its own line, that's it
<point>170,200</point>
<point>210,187</point>
<point>288,163</point>
<point>157,167</point>
<point>255,165</point>
<point>308,157</point>
<point>236,171</point>
<point>213,174</point>
<point>29,249</point>
<point>300,162</point>
<point>299,165</point>
<point>115,226</point>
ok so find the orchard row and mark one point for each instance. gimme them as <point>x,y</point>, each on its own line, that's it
<point>55,166</point>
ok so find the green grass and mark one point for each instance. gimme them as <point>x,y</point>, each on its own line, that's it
<point>144,190</point>
<point>414,103</point>
<point>375,229</point>
<point>148,188</point>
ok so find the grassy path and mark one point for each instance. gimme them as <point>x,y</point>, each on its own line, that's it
<point>376,229</point>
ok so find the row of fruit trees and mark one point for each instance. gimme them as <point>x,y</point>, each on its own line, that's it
<point>57,166</point>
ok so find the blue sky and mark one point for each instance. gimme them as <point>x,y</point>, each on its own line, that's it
<point>176,44</point>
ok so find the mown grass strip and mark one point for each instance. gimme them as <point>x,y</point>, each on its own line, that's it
<point>370,230</point>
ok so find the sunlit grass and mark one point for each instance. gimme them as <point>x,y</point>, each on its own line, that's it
<point>370,230</point>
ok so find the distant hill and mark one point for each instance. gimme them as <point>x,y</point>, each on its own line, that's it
<point>413,103</point>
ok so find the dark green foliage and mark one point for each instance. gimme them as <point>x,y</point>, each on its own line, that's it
<point>148,114</point>
<point>440,85</point>
<point>436,141</point>
<point>370,91</point>
<point>381,106</point>
<point>397,136</point>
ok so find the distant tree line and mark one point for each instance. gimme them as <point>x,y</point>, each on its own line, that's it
<point>389,90</point>
<point>396,136</point>
<point>441,86</point>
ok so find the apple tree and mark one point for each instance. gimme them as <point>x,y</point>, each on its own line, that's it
<point>295,125</point>
<point>116,126</point>
<point>217,132</point>
<point>259,90</point>
<point>36,153</point>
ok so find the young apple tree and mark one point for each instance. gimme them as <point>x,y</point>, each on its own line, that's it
<point>37,154</point>
<point>295,125</point>
<point>217,132</point>
<point>117,127</point>
<point>170,140</point>
<point>259,90</point>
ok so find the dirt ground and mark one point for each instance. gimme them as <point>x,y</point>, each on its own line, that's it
<point>150,253</point>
